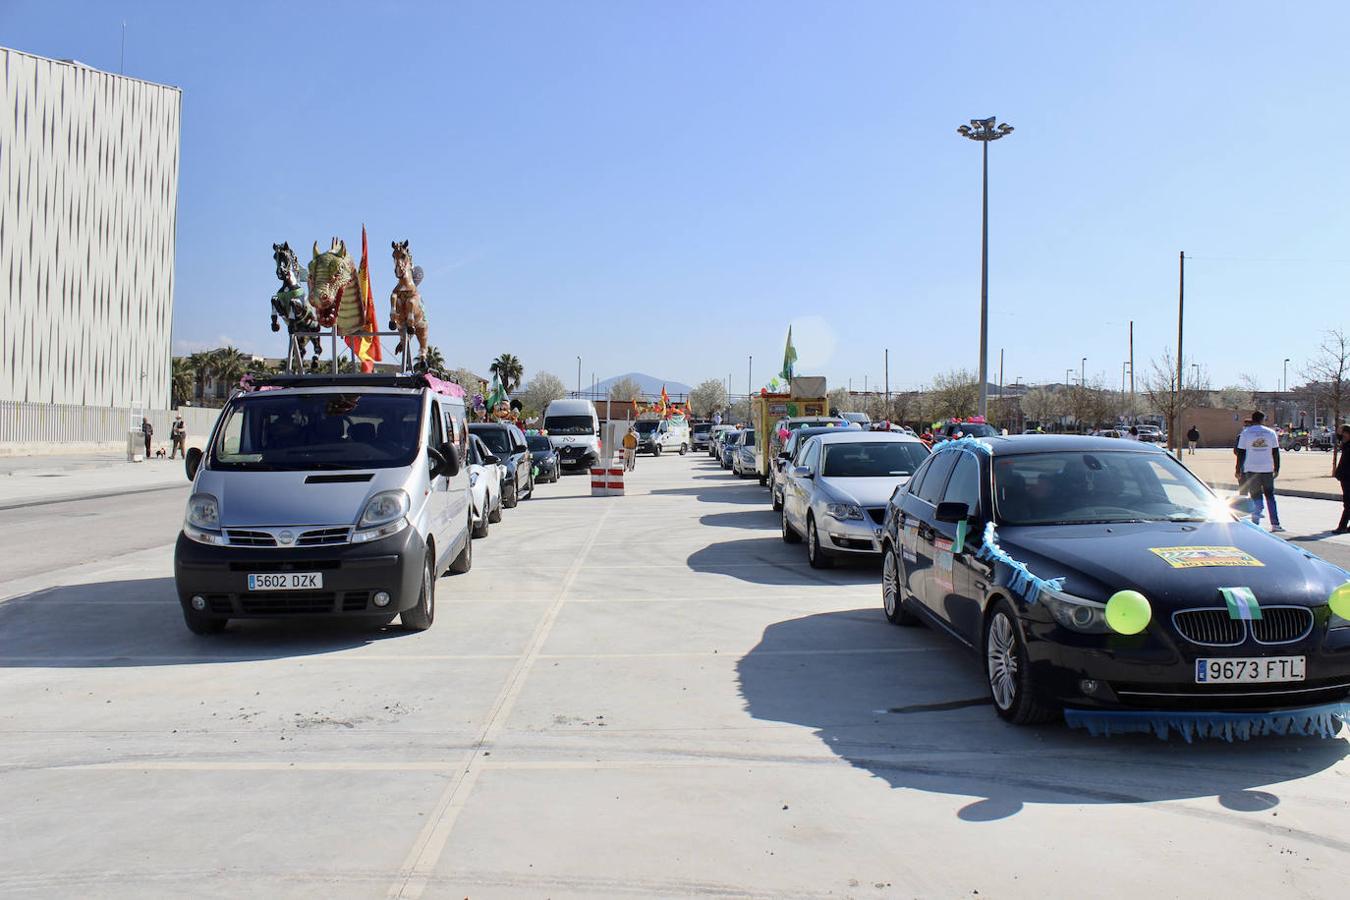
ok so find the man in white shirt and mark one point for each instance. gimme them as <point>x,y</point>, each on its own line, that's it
<point>1258,465</point>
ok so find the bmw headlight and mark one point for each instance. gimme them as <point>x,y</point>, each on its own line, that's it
<point>844,511</point>
<point>1076,613</point>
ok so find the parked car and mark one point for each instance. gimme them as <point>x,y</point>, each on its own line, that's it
<point>507,443</point>
<point>859,418</point>
<point>699,435</point>
<point>780,464</point>
<point>547,462</point>
<point>326,496</point>
<point>1235,619</point>
<point>485,486</point>
<point>728,451</point>
<point>836,493</point>
<point>715,439</point>
<point>573,428</point>
<point>743,452</point>
<point>1150,434</point>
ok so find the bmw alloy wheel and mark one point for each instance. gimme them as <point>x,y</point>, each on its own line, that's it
<point>1001,655</point>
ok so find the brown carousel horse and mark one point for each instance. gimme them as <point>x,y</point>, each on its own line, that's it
<point>405,303</point>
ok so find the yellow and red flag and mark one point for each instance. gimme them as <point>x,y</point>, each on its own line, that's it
<point>366,349</point>
<point>665,399</point>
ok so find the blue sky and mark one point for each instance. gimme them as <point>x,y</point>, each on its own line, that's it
<point>663,187</point>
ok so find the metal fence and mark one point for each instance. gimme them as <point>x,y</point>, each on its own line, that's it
<point>52,426</point>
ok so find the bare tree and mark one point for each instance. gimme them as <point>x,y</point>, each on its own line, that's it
<point>1232,397</point>
<point>540,391</point>
<point>955,394</point>
<point>625,389</point>
<point>1327,374</point>
<point>708,397</point>
<point>1042,404</point>
<point>1170,397</point>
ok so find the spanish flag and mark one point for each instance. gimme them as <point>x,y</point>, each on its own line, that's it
<point>665,399</point>
<point>366,349</point>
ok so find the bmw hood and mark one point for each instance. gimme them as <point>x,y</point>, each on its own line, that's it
<point>1175,564</point>
<point>276,499</point>
<point>864,491</point>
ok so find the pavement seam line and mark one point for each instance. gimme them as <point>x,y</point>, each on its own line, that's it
<point>431,840</point>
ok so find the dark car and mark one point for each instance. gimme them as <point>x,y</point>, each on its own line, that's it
<point>796,439</point>
<point>507,442</point>
<point>547,464</point>
<point>698,435</point>
<point>728,445</point>
<point>1236,620</point>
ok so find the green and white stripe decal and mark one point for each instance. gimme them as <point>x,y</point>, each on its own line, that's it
<point>1241,603</point>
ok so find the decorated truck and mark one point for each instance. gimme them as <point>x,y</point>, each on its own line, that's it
<point>805,397</point>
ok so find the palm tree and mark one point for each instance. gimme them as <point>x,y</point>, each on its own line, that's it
<point>181,379</point>
<point>435,362</point>
<point>229,364</point>
<point>508,370</point>
<point>200,364</point>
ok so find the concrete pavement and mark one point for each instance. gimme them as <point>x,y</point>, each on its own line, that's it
<point>646,696</point>
<point>28,480</point>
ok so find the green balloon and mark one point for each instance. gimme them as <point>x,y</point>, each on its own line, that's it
<point>1128,612</point>
<point>1340,601</point>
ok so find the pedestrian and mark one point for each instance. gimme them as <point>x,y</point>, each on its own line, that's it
<point>630,444</point>
<point>1343,476</point>
<point>147,432</point>
<point>178,436</point>
<point>1133,433</point>
<point>1258,465</point>
<point>1192,438</point>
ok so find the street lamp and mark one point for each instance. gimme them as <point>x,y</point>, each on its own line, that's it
<point>1068,377</point>
<point>578,376</point>
<point>984,131</point>
<point>1082,373</point>
<point>1196,372</point>
<point>1286,374</point>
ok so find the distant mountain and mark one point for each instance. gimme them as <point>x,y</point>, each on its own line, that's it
<point>650,384</point>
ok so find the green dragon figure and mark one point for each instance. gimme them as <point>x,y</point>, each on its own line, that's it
<point>335,290</point>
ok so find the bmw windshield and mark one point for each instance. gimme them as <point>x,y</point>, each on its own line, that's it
<point>299,431</point>
<point>1077,488</point>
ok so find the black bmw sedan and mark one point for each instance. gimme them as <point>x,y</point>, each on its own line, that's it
<point>1099,576</point>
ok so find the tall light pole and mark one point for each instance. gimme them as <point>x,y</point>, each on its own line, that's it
<point>1286,374</point>
<point>749,378</point>
<point>1082,373</point>
<point>1196,375</point>
<point>984,131</point>
<point>578,376</point>
<point>1068,377</point>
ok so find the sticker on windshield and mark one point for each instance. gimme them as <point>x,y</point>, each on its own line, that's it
<point>1201,557</point>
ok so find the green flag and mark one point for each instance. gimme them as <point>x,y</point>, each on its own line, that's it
<point>789,359</point>
<point>1241,602</point>
<point>496,395</point>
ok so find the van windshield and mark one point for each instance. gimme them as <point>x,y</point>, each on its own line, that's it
<point>292,432</point>
<point>646,426</point>
<point>569,425</point>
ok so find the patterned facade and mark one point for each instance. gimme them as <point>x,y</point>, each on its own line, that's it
<point>89,173</point>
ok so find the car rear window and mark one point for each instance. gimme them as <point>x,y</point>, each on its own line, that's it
<point>883,459</point>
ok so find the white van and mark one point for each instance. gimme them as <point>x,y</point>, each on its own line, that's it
<point>327,495</point>
<point>573,427</point>
<point>657,436</point>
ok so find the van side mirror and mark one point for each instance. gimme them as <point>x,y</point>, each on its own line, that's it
<point>192,462</point>
<point>801,472</point>
<point>444,461</point>
<point>952,511</point>
<point>492,460</point>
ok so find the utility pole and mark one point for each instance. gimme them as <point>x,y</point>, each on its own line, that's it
<point>1002,407</point>
<point>122,63</point>
<point>749,379</point>
<point>887,371</point>
<point>1082,374</point>
<point>1132,359</point>
<point>578,377</point>
<point>1172,442</point>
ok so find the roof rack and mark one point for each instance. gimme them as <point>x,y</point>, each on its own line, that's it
<point>411,382</point>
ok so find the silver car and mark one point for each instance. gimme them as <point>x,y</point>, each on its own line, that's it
<point>744,457</point>
<point>836,492</point>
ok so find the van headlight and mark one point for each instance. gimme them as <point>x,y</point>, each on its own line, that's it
<point>385,514</point>
<point>1076,613</point>
<point>202,521</point>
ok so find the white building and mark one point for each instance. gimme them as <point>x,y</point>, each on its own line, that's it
<point>88,209</point>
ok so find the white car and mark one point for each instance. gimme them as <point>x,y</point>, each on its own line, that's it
<point>837,488</point>
<point>486,474</point>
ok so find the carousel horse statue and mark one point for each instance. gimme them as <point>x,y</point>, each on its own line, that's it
<point>405,303</point>
<point>335,290</point>
<point>289,304</point>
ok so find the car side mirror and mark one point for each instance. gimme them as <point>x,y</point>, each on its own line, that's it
<point>802,472</point>
<point>192,462</point>
<point>785,455</point>
<point>952,511</point>
<point>492,460</point>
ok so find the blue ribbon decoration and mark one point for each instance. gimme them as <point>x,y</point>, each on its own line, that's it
<point>1020,579</point>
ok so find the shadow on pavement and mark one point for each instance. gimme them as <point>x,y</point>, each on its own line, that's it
<point>720,494</point>
<point>911,707</point>
<point>767,560</point>
<point>139,623</point>
<point>758,519</point>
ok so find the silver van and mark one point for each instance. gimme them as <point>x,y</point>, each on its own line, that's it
<point>319,495</point>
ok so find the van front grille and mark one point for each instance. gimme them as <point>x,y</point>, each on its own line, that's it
<point>240,537</point>
<point>286,603</point>
<point>323,536</point>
